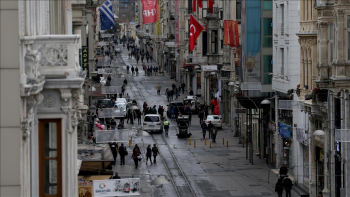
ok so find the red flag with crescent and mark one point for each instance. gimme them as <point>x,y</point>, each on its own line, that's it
<point>195,30</point>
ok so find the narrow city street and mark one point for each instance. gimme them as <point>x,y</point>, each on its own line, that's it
<point>191,166</point>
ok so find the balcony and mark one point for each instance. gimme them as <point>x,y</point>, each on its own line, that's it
<point>210,13</point>
<point>52,60</point>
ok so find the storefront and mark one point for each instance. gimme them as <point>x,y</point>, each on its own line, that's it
<point>285,131</point>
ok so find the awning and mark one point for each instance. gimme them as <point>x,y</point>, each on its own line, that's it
<point>250,103</point>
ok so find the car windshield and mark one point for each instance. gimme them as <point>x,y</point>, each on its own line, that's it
<point>120,105</point>
<point>121,100</point>
<point>151,119</point>
<point>213,117</point>
<point>190,102</point>
<point>182,123</point>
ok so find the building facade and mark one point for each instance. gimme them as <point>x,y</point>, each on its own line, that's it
<point>41,75</point>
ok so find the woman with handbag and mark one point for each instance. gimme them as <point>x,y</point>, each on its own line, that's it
<point>136,154</point>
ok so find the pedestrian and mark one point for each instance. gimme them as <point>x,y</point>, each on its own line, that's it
<point>123,90</point>
<point>125,82</point>
<point>173,86</point>
<point>201,116</point>
<point>158,88</point>
<point>155,152</point>
<point>214,133</point>
<point>147,58</point>
<point>176,93</point>
<point>179,90</point>
<point>210,128</point>
<point>204,129</point>
<point>206,110</point>
<point>283,170</point>
<point>129,116</point>
<point>154,110</point>
<point>172,94</point>
<point>132,70</point>
<point>138,114</point>
<point>127,69</point>
<point>137,71</point>
<point>191,92</point>
<point>137,59</point>
<point>135,155</point>
<point>114,149</point>
<point>149,154</point>
<point>142,57</point>
<point>183,87</point>
<point>113,124</point>
<point>115,176</point>
<point>172,112</point>
<point>279,187</point>
<point>151,58</point>
<point>287,185</point>
<point>169,95</point>
<point>122,152</point>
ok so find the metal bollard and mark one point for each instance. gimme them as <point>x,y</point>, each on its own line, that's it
<point>227,144</point>
<point>129,143</point>
<point>210,145</point>
<point>189,141</point>
<point>205,141</point>
<point>117,143</point>
<point>243,143</point>
<point>223,141</point>
<point>194,144</point>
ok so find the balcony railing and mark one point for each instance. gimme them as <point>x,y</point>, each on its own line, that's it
<point>49,56</point>
<point>207,12</point>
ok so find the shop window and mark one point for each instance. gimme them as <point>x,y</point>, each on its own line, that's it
<point>238,11</point>
<point>267,5</point>
<point>50,158</point>
<point>267,32</point>
<point>204,43</point>
<point>214,42</point>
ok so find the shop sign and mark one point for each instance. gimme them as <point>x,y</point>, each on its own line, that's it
<point>85,187</point>
<point>117,187</point>
<point>85,57</point>
<point>285,130</point>
<point>241,110</point>
<point>301,136</point>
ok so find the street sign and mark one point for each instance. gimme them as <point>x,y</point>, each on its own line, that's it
<point>85,57</point>
<point>241,111</point>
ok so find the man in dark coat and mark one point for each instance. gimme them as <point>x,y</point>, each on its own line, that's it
<point>283,170</point>
<point>287,185</point>
<point>115,176</point>
<point>113,146</point>
<point>122,153</point>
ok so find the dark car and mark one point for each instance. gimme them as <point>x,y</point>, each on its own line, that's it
<point>105,103</point>
<point>178,104</point>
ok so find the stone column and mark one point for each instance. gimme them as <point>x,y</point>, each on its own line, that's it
<point>312,162</point>
<point>77,30</point>
<point>306,65</point>
<point>309,68</point>
<point>341,34</point>
<point>302,62</point>
<point>91,43</point>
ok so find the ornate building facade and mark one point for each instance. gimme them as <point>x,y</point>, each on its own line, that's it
<point>41,99</point>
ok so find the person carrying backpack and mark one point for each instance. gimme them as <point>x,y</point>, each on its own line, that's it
<point>279,187</point>
<point>122,152</point>
<point>287,185</point>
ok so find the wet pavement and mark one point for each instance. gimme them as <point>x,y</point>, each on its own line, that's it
<point>199,170</point>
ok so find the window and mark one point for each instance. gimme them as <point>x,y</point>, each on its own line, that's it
<point>189,7</point>
<point>331,42</point>
<point>214,42</point>
<point>282,19</point>
<point>267,32</point>
<point>267,69</point>
<point>50,158</point>
<point>267,4</point>
<point>151,119</point>
<point>204,43</point>
<point>238,11</point>
<point>348,36</point>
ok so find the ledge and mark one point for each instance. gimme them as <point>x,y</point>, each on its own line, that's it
<point>75,83</point>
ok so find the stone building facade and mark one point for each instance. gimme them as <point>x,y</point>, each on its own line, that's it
<point>41,99</point>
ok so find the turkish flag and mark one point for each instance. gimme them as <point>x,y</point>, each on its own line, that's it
<point>194,5</point>
<point>195,29</point>
<point>149,11</point>
<point>210,5</point>
<point>200,3</point>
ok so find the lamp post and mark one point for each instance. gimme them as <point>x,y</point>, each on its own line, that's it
<point>265,102</point>
<point>233,107</point>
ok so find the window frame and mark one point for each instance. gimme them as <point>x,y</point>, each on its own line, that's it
<point>42,157</point>
<point>214,42</point>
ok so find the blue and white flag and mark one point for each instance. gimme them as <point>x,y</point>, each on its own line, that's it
<point>107,16</point>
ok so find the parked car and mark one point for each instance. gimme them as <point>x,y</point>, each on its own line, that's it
<point>215,120</point>
<point>180,106</point>
<point>152,123</point>
<point>121,100</point>
<point>105,103</point>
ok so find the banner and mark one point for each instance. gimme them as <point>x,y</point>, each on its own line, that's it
<point>117,187</point>
<point>106,15</point>
<point>85,58</point>
<point>158,25</point>
<point>228,30</point>
<point>177,28</point>
<point>231,33</point>
<point>285,130</point>
<point>149,11</point>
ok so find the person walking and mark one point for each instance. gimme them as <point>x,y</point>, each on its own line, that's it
<point>114,149</point>
<point>138,115</point>
<point>155,152</point>
<point>172,94</point>
<point>172,112</point>
<point>151,58</point>
<point>287,185</point>
<point>169,95</point>
<point>204,129</point>
<point>201,116</point>
<point>158,88</point>
<point>176,93</point>
<point>137,59</point>
<point>283,170</point>
<point>190,92</point>
<point>147,57</point>
<point>135,153</point>
<point>142,58</point>
<point>137,71</point>
<point>115,176</point>
<point>214,133</point>
<point>122,152</point>
<point>183,87</point>
<point>149,154</point>
<point>210,129</point>
<point>127,69</point>
<point>206,110</point>
<point>132,70</point>
<point>279,187</point>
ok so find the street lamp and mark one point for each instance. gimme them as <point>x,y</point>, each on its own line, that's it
<point>319,133</point>
<point>266,133</point>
